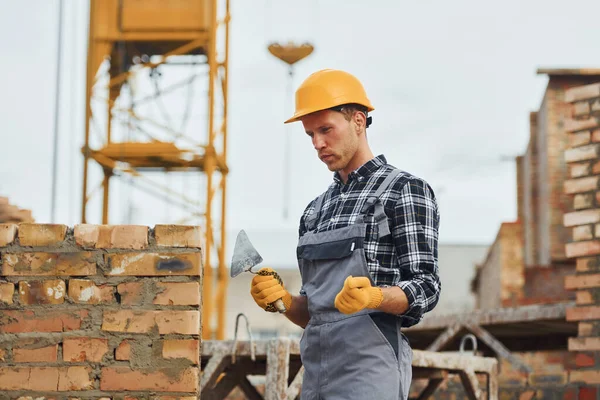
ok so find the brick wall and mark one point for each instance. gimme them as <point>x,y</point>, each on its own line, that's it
<point>99,311</point>
<point>501,276</point>
<point>530,250</point>
<point>583,223</point>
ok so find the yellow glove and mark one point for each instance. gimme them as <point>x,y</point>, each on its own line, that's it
<point>267,287</point>
<point>357,294</point>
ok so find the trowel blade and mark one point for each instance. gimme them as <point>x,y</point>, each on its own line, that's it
<point>244,256</point>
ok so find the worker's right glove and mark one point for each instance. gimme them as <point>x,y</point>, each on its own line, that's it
<point>267,287</point>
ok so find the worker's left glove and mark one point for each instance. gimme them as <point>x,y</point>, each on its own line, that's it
<point>357,294</point>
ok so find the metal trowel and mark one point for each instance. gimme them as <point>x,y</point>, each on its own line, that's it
<point>244,258</point>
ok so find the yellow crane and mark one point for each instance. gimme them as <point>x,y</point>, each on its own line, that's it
<point>127,37</point>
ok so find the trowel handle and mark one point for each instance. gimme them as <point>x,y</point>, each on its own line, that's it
<point>280,306</point>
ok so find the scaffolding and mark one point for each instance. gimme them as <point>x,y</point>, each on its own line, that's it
<point>129,38</point>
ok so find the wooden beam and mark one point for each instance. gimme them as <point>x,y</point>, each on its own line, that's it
<point>471,384</point>
<point>445,338</point>
<point>278,356</point>
<point>434,383</point>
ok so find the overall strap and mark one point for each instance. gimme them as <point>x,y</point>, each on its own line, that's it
<point>313,218</point>
<point>383,228</point>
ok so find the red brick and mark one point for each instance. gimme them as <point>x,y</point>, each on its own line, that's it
<point>584,344</point>
<point>586,376</point>
<point>583,360</point>
<point>583,92</point>
<point>131,293</point>
<point>185,322</point>
<point>178,236</point>
<point>8,233</point>
<point>42,292</point>
<point>84,349</point>
<point>581,108</point>
<point>86,292</point>
<point>579,139</point>
<point>46,379</point>
<point>48,264</point>
<point>178,293</point>
<point>587,152</point>
<point>188,349</point>
<point>583,313</point>
<point>124,378</point>
<point>583,200</point>
<point>584,297</point>
<point>7,290</point>
<point>588,393</point>
<point>528,395</point>
<point>582,281</point>
<point>111,236</point>
<point>585,329</point>
<point>41,234</point>
<point>154,264</point>
<point>586,248</point>
<point>18,321</point>
<point>574,125</point>
<point>583,232</point>
<point>596,135</point>
<point>123,352</point>
<point>581,185</point>
<point>596,168</point>
<point>581,217</point>
<point>32,354</point>
<point>578,170</point>
<point>587,264</point>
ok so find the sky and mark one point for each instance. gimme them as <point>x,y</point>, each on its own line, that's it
<point>452,83</point>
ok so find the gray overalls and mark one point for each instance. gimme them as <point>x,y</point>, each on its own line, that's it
<point>348,356</point>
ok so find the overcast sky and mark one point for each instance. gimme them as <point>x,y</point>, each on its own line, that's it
<point>452,82</point>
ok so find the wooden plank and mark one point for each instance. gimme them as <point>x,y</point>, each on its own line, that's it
<point>499,348</point>
<point>249,390</point>
<point>445,338</point>
<point>293,390</point>
<point>278,356</point>
<point>432,386</point>
<point>471,384</point>
<point>217,363</point>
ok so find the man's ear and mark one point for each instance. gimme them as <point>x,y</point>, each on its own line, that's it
<point>360,120</point>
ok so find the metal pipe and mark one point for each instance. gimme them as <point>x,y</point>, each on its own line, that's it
<point>56,116</point>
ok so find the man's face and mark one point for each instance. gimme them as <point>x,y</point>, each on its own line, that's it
<point>334,138</point>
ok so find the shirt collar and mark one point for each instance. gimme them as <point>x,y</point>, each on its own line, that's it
<point>364,171</point>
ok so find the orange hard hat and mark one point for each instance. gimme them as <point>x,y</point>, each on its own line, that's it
<point>326,89</point>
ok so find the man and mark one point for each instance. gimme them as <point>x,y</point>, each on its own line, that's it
<point>367,254</point>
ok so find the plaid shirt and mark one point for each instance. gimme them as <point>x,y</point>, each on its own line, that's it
<point>408,257</point>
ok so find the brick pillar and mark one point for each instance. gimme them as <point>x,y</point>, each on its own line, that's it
<point>583,186</point>
<point>99,311</point>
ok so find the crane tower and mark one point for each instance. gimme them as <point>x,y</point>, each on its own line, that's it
<point>133,38</point>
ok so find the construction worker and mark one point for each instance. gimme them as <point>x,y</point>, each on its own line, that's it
<point>367,254</point>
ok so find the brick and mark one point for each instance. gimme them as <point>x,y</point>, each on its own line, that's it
<point>585,200</point>
<point>131,293</point>
<point>7,290</point>
<point>597,230</point>
<point>581,108</point>
<point>584,297</point>
<point>596,135</point>
<point>583,360</point>
<point>40,354</point>
<point>41,234</point>
<point>174,398</point>
<point>124,378</point>
<point>8,233</point>
<point>154,264</point>
<point>184,322</point>
<point>528,395</point>
<point>596,168</point>
<point>46,379</point>
<point>111,236</point>
<point>583,92</point>
<point>178,293</point>
<point>583,313</point>
<point>178,236</point>
<point>595,106</point>
<point>582,153</point>
<point>84,291</point>
<point>581,217</point>
<point>547,379</point>
<point>188,349</point>
<point>578,170</point>
<point>42,292</point>
<point>588,393</point>
<point>574,125</point>
<point>48,264</point>
<point>579,138</point>
<point>586,376</point>
<point>583,232</point>
<point>584,344</point>
<point>585,329</point>
<point>587,264</point>
<point>579,249</point>
<point>581,185</point>
<point>84,349</point>
<point>123,351</point>
<point>19,321</point>
<point>582,281</point>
